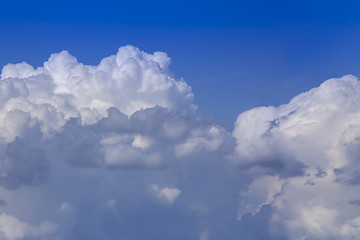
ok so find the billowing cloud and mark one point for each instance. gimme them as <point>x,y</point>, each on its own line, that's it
<point>92,139</point>
<point>118,114</point>
<point>119,151</point>
<point>319,131</point>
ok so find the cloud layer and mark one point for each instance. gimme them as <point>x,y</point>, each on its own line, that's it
<point>119,151</point>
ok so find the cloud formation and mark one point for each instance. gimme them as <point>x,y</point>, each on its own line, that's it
<point>11,228</point>
<point>318,130</point>
<point>67,126</point>
<point>119,151</point>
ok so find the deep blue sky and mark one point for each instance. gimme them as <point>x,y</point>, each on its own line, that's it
<point>235,54</point>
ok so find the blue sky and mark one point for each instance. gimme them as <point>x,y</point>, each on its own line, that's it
<point>235,54</point>
<point>104,140</point>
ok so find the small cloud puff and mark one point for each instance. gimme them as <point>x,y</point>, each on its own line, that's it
<point>167,194</point>
<point>64,207</point>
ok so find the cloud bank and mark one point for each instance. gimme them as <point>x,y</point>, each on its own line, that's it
<point>119,151</point>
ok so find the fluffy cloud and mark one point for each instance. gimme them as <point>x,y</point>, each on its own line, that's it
<point>117,114</point>
<point>77,138</point>
<point>262,191</point>
<point>130,80</point>
<point>119,151</point>
<point>319,131</point>
<point>12,228</point>
<point>166,193</point>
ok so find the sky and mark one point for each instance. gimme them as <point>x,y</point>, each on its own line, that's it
<point>163,120</point>
<point>249,52</point>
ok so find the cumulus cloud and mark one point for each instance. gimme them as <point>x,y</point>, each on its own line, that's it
<point>80,147</point>
<point>67,129</point>
<point>318,130</point>
<point>117,114</point>
<point>63,88</point>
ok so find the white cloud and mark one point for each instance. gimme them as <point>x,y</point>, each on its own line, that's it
<point>318,131</point>
<point>262,191</point>
<point>93,138</point>
<point>41,102</point>
<point>166,193</point>
<point>12,228</point>
<point>141,142</point>
<point>64,207</point>
<point>69,128</point>
<point>213,139</point>
<point>351,229</point>
<point>130,81</point>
